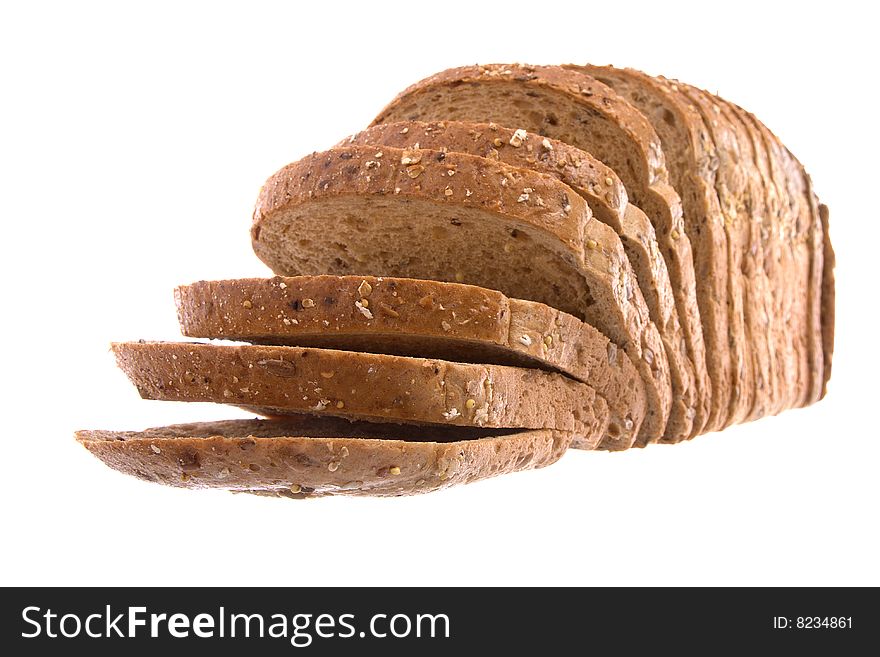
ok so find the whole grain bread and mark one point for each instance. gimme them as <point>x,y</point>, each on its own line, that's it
<point>757,296</point>
<point>596,183</point>
<point>732,184</point>
<point>276,380</point>
<point>794,263</point>
<point>457,217</point>
<point>692,161</point>
<point>321,456</point>
<point>572,107</point>
<point>763,258</point>
<point>408,317</point>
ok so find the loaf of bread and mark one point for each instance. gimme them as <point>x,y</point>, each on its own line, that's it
<point>510,261</point>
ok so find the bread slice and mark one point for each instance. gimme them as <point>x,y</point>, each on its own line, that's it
<point>757,294</point>
<point>323,456</point>
<point>597,184</point>
<point>794,259</point>
<point>455,217</point>
<point>764,257</point>
<point>572,107</point>
<point>815,241</point>
<point>273,380</point>
<point>829,261</point>
<point>692,162</point>
<point>732,184</point>
<point>408,317</point>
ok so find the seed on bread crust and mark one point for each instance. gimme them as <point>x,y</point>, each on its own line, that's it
<point>518,137</point>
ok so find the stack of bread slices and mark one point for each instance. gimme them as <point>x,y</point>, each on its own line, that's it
<point>510,261</point>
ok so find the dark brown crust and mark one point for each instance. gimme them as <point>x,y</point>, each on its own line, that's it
<point>273,380</point>
<point>320,456</point>
<point>619,309</point>
<point>411,317</point>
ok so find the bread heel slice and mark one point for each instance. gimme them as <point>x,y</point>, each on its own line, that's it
<point>321,456</point>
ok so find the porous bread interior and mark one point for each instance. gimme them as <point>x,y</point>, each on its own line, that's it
<point>422,239</point>
<point>545,111</point>
<point>672,137</point>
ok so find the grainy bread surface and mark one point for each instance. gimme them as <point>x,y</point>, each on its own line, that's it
<point>757,295</point>
<point>488,224</point>
<point>572,107</point>
<point>794,266</point>
<point>409,317</point>
<point>277,380</point>
<point>692,162</point>
<point>732,183</point>
<point>763,257</point>
<point>596,183</point>
<point>321,456</point>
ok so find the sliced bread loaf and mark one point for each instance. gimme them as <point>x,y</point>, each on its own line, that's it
<point>409,317</point>
<point>732,184</point>
<point>794,263</point>
<point>692,161</point>
<point>572,107</point>
<point>767,279</point>
<point>323,456</point>
<point>456,217</point>
<point>597,184</point>
<point>273,380</point>
<point>757,295</point>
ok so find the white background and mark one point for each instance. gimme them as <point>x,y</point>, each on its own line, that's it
<point>132,146</point>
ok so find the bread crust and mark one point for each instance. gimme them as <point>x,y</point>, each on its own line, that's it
<point>274,380</point>
<point>829,261</point>
<point>815,324</point>
<point>617,306</point>
<point>321,456</point>
<point>410,317</point>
